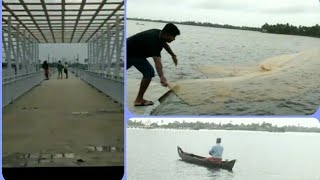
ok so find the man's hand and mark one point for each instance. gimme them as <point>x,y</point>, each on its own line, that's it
<point>175,60</point>
<point>163,81</point>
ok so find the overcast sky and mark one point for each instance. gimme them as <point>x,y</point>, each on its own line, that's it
<point>305,122</point>
<point>60,51</point>
<point>233,12</point>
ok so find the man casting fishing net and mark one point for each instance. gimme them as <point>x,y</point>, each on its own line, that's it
<point>150,44</point>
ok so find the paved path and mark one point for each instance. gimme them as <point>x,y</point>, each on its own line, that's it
<point>63,122</point>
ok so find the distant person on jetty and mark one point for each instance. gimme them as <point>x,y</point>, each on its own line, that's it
<point>59,68</point>
<point>45,67</point>
<point>66,69</point>
<point>216,152</point>
<point>150,44</point>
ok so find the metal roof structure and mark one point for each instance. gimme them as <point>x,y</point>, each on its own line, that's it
<point>62,21</point>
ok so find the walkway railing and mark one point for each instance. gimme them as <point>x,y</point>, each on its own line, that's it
<point>110,85</point>
<point>15,86</point>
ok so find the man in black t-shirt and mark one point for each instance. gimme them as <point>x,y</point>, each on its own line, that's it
<point>149,44</point>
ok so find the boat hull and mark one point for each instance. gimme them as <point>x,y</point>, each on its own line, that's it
<point>199,160</point>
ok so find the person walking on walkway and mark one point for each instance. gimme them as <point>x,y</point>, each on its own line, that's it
<point>59,68</point>
<point>150,44</point>
<point>66,69</point>
<point>45,67</point>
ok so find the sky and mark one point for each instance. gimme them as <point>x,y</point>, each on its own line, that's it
<point>305,122</point>
<point>252,13</point>
<point>60,51</point>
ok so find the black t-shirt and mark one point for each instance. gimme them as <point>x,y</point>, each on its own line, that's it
<point>145,44</point>
<point>45,66</point>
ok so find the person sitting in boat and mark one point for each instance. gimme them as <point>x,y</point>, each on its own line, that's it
<point>216,152</point>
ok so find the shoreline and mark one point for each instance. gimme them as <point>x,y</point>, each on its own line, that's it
<point>224,26</point>
<point>237,130</point>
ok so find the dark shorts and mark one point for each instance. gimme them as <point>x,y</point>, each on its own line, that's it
<point>46,72</point>
<point>142,65</point>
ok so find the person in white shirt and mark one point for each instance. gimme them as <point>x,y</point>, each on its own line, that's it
<point>216,151</point>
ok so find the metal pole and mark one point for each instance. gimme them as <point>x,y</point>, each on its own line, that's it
<point>9,60</point>
<point>78,64</point>
<point>25,64</point>
<point>34,55</point>
<point>18,49</point>
<point>117,48</point>
<point>29,54</point>
<point>108,49</point>
<point>91,54</point>
<point>4,42</point>
<point>96,59</point>
<point>121,49</point>
<point>102,53</point>
<point>88,54</point>
<point>37,55</point>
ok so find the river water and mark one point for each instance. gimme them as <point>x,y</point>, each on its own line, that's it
<point>234,72</point>
<point>152,154</point>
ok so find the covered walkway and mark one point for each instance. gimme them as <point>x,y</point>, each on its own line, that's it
<point>62,122</point>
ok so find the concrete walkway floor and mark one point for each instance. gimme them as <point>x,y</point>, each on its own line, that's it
<point>63,122</point>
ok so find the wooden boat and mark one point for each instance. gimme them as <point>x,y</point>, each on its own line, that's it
<point>199,160</point>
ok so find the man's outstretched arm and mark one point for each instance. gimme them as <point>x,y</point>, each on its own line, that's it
<point>159,68</point>
<point>168,49</point>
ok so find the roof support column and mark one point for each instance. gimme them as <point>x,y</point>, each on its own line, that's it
<point>98,47</point>
<point>18,61</point>
<point>37,56</point>
<point>94,54</point>
<point>9,57</point>
<point>6,51</point>
<point>108,50</point>
<point>118,50</point>
<point>24,49</point>
<point>29,62</point>
<point>34,55</point>
<point>102,50</point>
<point>96,59</point>
<point>89,55</point>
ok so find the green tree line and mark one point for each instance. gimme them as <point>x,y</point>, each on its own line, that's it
<point>228,126</point>
<point>313,31</point>
<point>205,24</point>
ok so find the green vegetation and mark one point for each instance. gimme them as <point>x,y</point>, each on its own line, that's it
<point>313,31</point>
<point>199,125</point>
<point>206,24</point>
